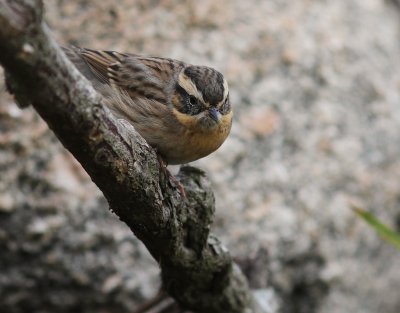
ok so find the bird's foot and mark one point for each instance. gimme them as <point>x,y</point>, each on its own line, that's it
<point>171,177</point>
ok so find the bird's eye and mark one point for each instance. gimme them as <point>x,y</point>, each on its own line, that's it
<point>192,100</point>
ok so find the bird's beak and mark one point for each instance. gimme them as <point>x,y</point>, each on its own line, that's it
<point>214,114</point>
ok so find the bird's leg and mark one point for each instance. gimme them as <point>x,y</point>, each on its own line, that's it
<point>177,183</point>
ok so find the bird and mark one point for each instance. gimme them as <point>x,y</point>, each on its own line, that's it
<point>182,110</point>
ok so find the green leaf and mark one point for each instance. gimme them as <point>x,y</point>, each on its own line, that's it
<point>384,231</point>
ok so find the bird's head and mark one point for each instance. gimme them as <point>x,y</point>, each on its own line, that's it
<point>201,99</point>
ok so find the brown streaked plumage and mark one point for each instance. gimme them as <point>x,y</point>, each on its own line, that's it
<point>182,110</point>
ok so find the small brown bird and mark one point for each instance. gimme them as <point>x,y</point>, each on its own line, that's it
<point>182,110</point>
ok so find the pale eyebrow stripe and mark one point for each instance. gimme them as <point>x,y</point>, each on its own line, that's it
<point>226,90</point>
<point>187,84</point>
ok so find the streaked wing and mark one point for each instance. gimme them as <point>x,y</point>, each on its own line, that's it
<point>139,76</point>
<point>93,64</point>
<point>99,61</point>
<point>163,67</point>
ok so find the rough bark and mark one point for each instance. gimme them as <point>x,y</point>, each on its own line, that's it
<point>196,269</point>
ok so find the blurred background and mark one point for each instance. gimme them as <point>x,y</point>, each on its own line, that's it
<point>315,88</point>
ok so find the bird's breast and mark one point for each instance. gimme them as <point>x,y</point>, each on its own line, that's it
<point>195,143</point>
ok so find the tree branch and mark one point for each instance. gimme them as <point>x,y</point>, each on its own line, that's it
<point>196,269</point>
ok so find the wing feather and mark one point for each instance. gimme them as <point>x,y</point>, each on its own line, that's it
<point>138,76</point>
<point>99,62</point>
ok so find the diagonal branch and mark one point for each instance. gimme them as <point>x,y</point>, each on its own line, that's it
<point>196,269</point>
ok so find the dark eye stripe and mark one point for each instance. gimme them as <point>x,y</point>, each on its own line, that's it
<point>181,91</point>
<point>186,106</point>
